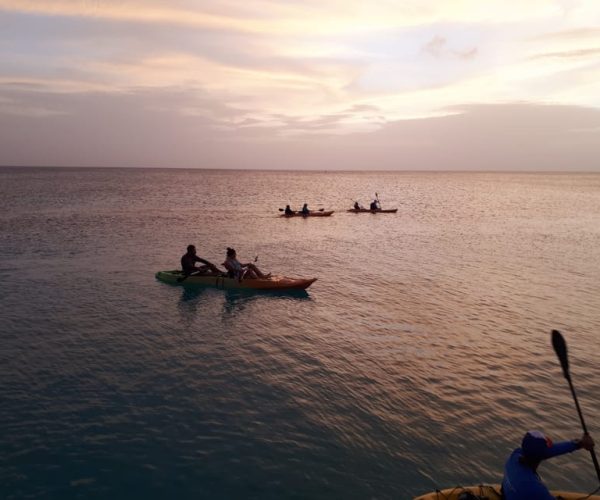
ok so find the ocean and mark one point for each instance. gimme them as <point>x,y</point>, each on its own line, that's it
<point>416,361</point>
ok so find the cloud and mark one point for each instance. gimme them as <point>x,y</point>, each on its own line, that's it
<point>322,17</point>
<point>583,33</point>
<point>569,54</point>
<point>466,54</point>
<point>364,108</point>
<point>437,47</point>
<point>267,73</point>
<point>149,127</point>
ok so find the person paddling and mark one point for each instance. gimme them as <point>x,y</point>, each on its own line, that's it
<point>238,270</point>
<point>288,210</point>
<point>188,264</point>
<point>374,205</point>
<point>305,210</point>
<point>357,206</point>
<point>521,481</point>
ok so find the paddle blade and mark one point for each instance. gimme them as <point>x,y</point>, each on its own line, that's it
<point>560,348</point>
<point>281,209</point>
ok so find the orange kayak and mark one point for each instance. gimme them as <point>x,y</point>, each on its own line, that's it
<point>281,283</point>
<point>492,492</point>
<point>325,213</point>
<point>377,211</point>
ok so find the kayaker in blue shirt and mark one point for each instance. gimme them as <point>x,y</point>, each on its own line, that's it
<point>305,210</point>
<point>188,264</point>
<point>521,481</point>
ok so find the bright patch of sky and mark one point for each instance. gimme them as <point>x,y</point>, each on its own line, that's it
<point>298,67</point>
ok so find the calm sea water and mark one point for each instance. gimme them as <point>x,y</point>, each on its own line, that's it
<point>416,361</point>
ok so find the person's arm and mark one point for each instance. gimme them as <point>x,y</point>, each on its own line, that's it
<point>563,447</point>
<point>198,259</point>
<point>586,442</point>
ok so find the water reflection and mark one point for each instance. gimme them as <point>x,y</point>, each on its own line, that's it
<point>192,299</point>
<point>191,294</point>
<point>237,300</point>
<point>229,303</point>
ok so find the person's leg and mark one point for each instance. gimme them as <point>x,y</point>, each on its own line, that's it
<point>207,270</point>
<point>258,272</point>
<point>250,273</point>
<point>215,270</point>
<point>201,270</point>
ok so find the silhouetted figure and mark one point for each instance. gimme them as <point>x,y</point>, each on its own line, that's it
<point>521,481</point>
<point>188,264</point>
<point>238,270</point>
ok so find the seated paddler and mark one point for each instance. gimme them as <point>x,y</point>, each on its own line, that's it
<point>521,480</point>
<point>188,264</point>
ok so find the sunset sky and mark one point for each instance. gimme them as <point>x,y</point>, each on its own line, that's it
<point>313,84</point>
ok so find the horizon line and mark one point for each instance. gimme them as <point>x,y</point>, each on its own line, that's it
<point>320,170</point>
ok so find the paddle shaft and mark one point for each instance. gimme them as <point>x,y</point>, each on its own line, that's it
<point>560,347</point>
<point>583,426</point>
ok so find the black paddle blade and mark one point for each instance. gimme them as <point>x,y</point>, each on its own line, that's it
<point>560,348</point>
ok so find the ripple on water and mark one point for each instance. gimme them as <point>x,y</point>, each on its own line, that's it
<point>416,360</point>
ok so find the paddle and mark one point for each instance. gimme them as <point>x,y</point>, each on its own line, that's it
<point>560,347</point>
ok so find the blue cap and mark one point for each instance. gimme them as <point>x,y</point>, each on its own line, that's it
<point>535,445</point>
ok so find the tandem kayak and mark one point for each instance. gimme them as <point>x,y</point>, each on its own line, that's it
<point>281,283</point>
<point>324,213</point>
<point>377,211</point>
<point>491,492</point>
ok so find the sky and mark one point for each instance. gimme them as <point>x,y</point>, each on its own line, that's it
<point>313,84</point>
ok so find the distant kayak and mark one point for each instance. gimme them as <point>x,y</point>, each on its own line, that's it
<point>378,210</point>
<point>324,213</point>
<point>492,492</point>
<point>280,283</point>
